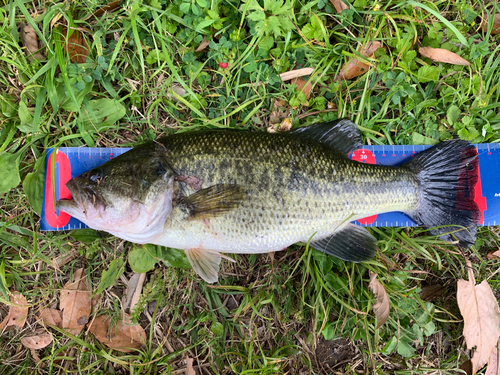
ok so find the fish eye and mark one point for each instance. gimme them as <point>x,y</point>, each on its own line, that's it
<point>95,176</point>
<point>160,170</point>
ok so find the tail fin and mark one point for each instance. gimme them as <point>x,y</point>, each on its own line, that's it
<point>448,173</point>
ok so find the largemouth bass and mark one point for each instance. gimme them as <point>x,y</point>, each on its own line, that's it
<point>226,191</point>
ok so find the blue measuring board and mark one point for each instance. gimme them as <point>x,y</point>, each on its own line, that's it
<point>68,162</point>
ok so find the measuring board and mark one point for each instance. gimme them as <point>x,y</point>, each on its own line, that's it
<point>69,162</point>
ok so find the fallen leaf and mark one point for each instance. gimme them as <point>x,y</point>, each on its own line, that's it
<point>76,46</point>
<point>442,55</point>
<point>51,317</point>
<point>107,8</point>
<point>496,24</point>
<point>280,111</point>
<point>36,358</point>
<point>204,44</point>
<point>133,292</point>
<point>285,126</point>
<point>481,314</point>
<point>431,292</point>
<point>466,367</point>
<point>494,361</point>
<point>287,76</point>
<point>75,303</point>
<point>137,293</point>
<point>176,89</point>
<point>303,85</point>
<point>56,19</point>
<point>39,341</point>
<point>493,255</point>
<point>339,5</point>
<point>122,336</point>
<point>354,67</point>
<point>381,307</point>
<point>62,259</point>
<point>189,366</point>
<point>18,311</point>
<point>30,41</point>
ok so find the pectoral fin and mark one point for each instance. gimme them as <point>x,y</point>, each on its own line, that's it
<point>205,263</point>
<point>352,243</point>
<point>213,201</point>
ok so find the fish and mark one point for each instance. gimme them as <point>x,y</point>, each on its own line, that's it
<point>213,192</point>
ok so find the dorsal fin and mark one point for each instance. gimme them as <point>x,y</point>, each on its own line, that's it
<point>342,135</point>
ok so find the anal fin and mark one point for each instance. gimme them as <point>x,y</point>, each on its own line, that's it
<point>351,243</point>
<point>205,263</point>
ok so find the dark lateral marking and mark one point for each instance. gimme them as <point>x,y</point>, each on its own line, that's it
<point>194,182</point>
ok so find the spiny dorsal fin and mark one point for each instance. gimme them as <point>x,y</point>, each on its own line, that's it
<point>352,243</point>
<point>342,135</point>
<point>213,201</point>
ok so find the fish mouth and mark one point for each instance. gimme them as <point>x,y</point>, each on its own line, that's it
<point>84,198</point>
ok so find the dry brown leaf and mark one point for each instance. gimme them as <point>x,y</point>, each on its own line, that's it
<point>442,55</point>
<point>280,111</point>
<point>189,366</point>
<point>176,89</point>
<point>493,255</point>
<point>431,292</point>
<point>75,303</point>
<point>122,336</point>
<point>496,24</point>
<point>285,126</point>
<point>36,358</point>
<point>62,259</point>
<point>381,307</point>
<point>107,8</point>
<point>287,76</point>
<point>466,367</point>
<point>494,361</point>
<point>204,44</point>
<point>18,311</point>
<point>30,41</point>
<point>354,67</point>
<point>76,46</point>
<point>39,341</point>
<point>51,317</point>
<point>133,293</point>
<point>339,5</point>
<point>304,86</point>
<point>481,314</point>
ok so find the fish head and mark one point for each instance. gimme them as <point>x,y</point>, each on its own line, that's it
<point>129,196</point>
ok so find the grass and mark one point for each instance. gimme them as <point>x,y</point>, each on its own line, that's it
<point>299,311</point>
